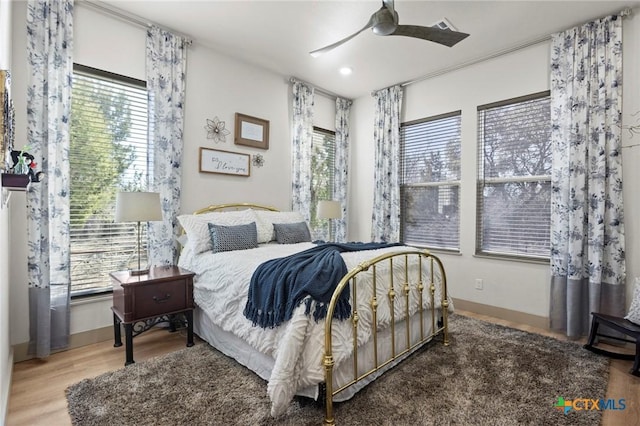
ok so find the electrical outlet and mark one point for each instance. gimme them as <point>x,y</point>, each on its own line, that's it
<point>479,284</point>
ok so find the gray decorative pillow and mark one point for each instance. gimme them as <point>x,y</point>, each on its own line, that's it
<point>634,310</point>
<point>291,233</point>
<point>237,237</point>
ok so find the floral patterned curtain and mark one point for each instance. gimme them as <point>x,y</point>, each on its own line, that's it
<point>386,139</point>
<point>341,172</point>
<point>50,70</point>
<point>302,131</point>
<point>166,69</point>
<point>587,229</point>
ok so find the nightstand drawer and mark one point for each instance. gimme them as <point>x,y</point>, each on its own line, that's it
<point>160,298</point>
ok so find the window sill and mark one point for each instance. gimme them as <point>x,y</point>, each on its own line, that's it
<point>91,298</point>
<point>513,258</point>
<point>436,250</point>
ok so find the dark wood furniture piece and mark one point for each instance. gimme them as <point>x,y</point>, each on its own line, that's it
<point>140,302</point>
<point>621,325</point>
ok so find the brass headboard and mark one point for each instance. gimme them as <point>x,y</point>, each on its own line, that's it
<point>230,206</point>
<point>234,206</point>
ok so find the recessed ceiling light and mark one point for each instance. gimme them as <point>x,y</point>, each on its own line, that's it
<point>346,71</point>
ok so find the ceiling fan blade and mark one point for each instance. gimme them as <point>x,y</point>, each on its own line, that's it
<point>436,35</point>
<point>325,49</point>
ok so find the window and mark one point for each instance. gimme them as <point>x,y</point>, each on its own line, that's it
<point>323,150</point>
<point>109,153</point>
<point>514,177</point>
<point>430,182</point>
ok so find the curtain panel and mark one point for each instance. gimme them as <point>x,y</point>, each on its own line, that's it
<point>587,215</point>
<point>50,72</point>
<point>166,73</point>
<point>386,139</point>
<point>302,139</point>
<point>341,172</point>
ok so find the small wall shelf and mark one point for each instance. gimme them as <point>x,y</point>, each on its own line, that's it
<point>15,182</point>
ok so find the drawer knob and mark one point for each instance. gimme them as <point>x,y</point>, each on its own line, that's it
<point>162,299</point>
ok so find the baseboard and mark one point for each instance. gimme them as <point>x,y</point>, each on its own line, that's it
<point>6,389</point>
<point>502,313</point>
<point>75,341</point>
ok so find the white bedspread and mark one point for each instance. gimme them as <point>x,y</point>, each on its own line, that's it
<point>221,286</point>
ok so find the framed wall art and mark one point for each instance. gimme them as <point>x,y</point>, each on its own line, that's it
<point>224,162</point>
<point>7,119</point>
<point>251,131</point>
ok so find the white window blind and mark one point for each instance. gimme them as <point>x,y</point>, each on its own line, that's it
<point>323,152</point>
<point>514,177</point>
<point>430,181</point>
<point>109,153</point>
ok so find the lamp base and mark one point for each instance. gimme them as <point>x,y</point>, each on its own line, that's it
<point>137,272</point>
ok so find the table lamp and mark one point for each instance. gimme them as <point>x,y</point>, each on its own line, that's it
<point>329,209</point>
<point>138,207</point>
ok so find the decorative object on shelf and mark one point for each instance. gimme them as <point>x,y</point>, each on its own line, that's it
<point>251,131</point>
<point>216,130</point>
<point>258,160</point>
<point>224,162</point>
<point>23,164</point>
<point>7,119</point>
<point>20,166</point>
<point>22,172</point>
<point>138,207</point>
<point>329,209</point>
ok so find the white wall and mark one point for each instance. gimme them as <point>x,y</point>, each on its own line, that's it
<point>6,354</point>
<point>512,285</point>
<point>631,147</point>
<point>216,85</point>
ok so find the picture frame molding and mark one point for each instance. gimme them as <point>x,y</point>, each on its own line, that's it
<point>251,131</point>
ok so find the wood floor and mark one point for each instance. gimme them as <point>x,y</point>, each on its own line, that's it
<point>38,398</point>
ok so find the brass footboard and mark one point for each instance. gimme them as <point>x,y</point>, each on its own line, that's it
<point>414,266</point>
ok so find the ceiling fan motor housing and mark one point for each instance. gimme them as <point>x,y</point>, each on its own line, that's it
<point>384,21</point>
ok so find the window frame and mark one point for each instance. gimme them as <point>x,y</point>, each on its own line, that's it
<point>481,251</point>
<point>320,223</point>
<point>91,72</point>
<point>432,184</point>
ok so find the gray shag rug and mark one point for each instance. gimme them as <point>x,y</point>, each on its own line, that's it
<point>489,375</point>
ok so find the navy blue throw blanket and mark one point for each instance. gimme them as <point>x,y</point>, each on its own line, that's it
<point>278,286</point>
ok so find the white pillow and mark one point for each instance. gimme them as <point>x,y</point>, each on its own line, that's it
<point>267,218</point>
<point>634,310</point>
<point>197,226</point>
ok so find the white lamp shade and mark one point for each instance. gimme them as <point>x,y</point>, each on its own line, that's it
<point>138,207</point>
<point>328,209</point>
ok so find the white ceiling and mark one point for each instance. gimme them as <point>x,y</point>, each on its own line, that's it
<point>278,35</point>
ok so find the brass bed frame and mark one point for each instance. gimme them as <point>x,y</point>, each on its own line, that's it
<point>438,326</point>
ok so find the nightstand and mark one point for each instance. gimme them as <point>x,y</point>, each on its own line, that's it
<point>140,302</point>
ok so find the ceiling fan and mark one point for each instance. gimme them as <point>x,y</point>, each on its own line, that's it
<point>385,22</point>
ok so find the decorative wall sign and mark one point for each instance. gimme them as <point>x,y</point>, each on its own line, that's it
<point>216,130</point>
<point>251,131</point>
<point>224,162</point>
